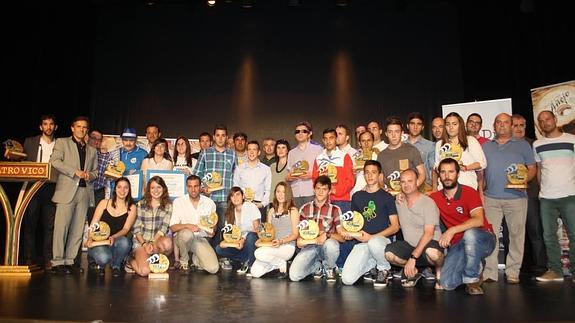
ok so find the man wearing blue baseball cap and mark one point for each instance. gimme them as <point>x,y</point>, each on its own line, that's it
<point>130,154</point>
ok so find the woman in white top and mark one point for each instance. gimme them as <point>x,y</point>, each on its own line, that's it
<point>183,160</point>
<point>284,217</point>
<point>246,216</point>
<point>472,159</point>
<point>158,158</point>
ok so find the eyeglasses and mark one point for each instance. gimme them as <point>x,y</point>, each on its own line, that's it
<point>474,122</point>
<point>301,131</point>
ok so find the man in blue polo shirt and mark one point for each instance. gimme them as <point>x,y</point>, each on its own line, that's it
<point>503,155</point>
<point>130,154</point>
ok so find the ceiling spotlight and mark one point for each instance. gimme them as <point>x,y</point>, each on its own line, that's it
<point>341,3</point>
<point>247,3</point>
<point>211,3</point>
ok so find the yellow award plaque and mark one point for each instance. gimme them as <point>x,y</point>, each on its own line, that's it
<point>516,176</point>
<point>208,222</point>
<point>249,194</point>
<point>300,168</point>
<point>308,231</point>
<point>99,233</point>
<point>159,265</point>
<point>266,234</point>
<point>14,150</point>
<point>449,150</point>
<point>213,181</point>
<point>352,222</point>
<point>394,186</point>
<point>232,236</point>
<point>115,169</point>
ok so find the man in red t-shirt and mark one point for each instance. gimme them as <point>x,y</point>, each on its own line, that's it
<point>469,235</point>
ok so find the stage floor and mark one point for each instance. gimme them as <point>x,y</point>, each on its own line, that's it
<point>231,297</point>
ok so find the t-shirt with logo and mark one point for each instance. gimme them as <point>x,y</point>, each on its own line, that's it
<point>393,161</point>
<point>376,209</point>
<point>458,209</point>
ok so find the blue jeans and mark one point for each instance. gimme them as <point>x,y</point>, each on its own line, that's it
<point>221,212</point>
<point>113,255</point>
<point>364,257</point>
<point>344,206</point>
<point>312,257</point>
<point>244,254</point>
<point>463,261</point>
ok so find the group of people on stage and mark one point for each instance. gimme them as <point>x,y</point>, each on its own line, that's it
<point>434,209</point>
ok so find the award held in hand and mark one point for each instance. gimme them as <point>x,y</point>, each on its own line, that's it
<point>213,182</point>
<point>450,150</point>
<point>394,185</point>
<point>100,234</point>
<point>208,222</point>
<point>159,265</point>
<point>329,170</point>
<point>115,169</point>
<point>232,236</point>
<point>516,176</point>
<point>13,150</point>
<point>249,194</point>
<point>266,234</point>
<point>361,156</point>
<point>352,222</point>
<point>300,168</point>
<point>308,231</point>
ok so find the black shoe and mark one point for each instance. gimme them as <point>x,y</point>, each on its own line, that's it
<point>116,272</point>
<point>101,271</point>
<point>68,270</point>
<point>57,270</point>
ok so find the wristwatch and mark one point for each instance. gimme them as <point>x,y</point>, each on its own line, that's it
<point>413,257</point>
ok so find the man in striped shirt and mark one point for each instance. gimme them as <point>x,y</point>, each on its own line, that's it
<point>554,154</point>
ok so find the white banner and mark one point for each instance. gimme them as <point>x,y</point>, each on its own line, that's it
<point>488,110</point>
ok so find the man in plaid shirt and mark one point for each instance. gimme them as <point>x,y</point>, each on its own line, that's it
<point>322,254</point>
<point>222,160</point>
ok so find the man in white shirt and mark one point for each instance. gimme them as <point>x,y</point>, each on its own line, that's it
<point>254,178</point>
<point>185,220</point>
<point>375,129</point>
<point>343,139</point>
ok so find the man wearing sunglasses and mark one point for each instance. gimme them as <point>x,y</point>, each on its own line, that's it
<point>304,152</point>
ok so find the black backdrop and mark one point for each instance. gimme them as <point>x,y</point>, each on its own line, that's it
<point>185,66</point>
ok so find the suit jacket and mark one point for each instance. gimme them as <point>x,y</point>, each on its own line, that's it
<point>66,160</point>
<point>31,149</point>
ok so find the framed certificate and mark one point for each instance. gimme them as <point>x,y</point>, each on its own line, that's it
<point>175,181</point>
<point>135,184</point>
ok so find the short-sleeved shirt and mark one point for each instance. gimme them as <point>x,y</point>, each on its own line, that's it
<point>458,210</point>
<point>393,161</point>
<point>303,187</point>
<point>376,209</point>
<point>472,154</point>
<point>413,219</point>
<point>184,211</point>
<point>499,158</point>
<point>556,157</point>
<point>250,213</point>
<point>327,216</point>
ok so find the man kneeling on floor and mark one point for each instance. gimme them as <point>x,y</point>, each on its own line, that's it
<point>469,235</point>
<point>380,225</point>
<point>141,254</point>
<point>419,219</point>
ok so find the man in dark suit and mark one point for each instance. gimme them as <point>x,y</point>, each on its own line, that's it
<point>41,208</point>
<point>77,167</point>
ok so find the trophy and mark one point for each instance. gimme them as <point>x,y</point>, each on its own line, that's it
<point>213,181</point>
<point>99,233</point>
<point>394,185</point>
<point>232,236</point>
<point>249,194</point>
<point>115,169</point>
<point>308,231</point>
<point>266,234</point>
<point>14,150</point>
<point>329,170</point>
<point>360,157</point>
<point>159,265</point>
<point>516,176</point>
<point>449,150</point>
<point>300,168</point>
<point>208,222</point>
<point>352,222</point>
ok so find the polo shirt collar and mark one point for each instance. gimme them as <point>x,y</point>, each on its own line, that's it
<point>456,196</point>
